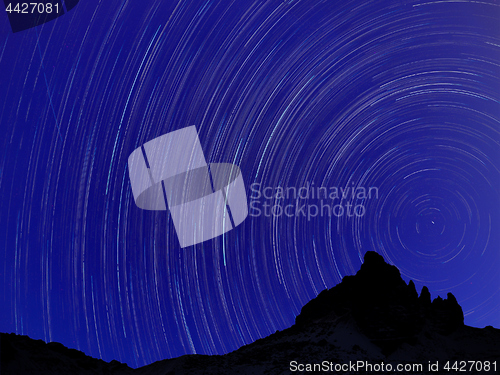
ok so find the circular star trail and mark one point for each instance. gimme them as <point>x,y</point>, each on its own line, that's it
<point>399,96</point>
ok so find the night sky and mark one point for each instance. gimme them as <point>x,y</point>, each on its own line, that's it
<point>400,95</point>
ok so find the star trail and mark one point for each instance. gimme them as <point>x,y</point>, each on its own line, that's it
<point>398,95</point>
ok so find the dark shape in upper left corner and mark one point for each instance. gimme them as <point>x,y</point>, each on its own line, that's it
<point>25,14</point>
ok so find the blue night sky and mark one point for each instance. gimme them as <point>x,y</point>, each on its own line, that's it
<point>398,95</point>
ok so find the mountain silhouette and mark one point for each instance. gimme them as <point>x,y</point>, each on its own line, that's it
<point>373,317</point>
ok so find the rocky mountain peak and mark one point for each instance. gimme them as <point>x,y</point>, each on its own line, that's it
<point>373,316</point>
<point>386,309</point>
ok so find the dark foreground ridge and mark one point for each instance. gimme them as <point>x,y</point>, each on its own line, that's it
<point>373,316</point>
